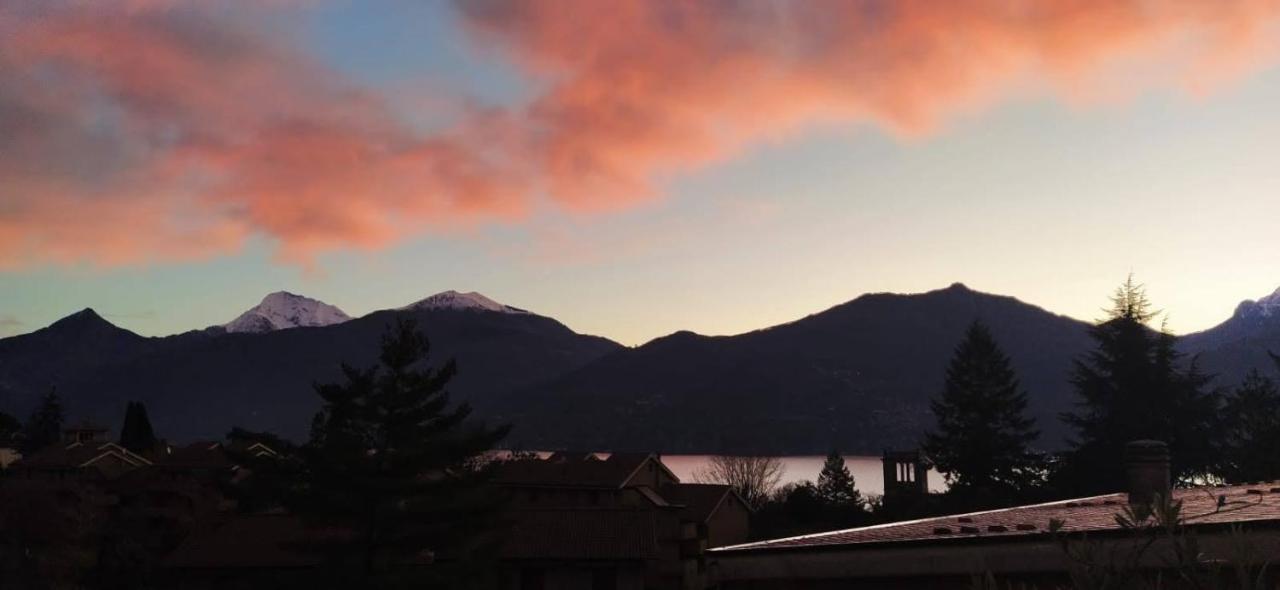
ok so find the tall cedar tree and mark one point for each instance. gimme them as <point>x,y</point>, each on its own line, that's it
<point>391,463</point>
<point>1252,432</point>
<point>136,434</point>
<point>1131,387</point>
<point>44,427</point>
<point>983,434</point>
<point>836,486</point>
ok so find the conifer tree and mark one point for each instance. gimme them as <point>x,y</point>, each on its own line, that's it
<point>836,486</point>
<point>9,428</point>
<point>982,438</point>
<point>1130,387</point>
<point>392,462</point>
<point>44,427</point>
<point>1252,434</point>
<point>136,434</point>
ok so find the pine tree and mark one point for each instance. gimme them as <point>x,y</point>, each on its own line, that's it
<point>1252,416</point>
<point>1131,387</point>
<point>982,438</point>
<point>44,427</point>
<point>136,434</point>
<point>836,486</point>
<point>392,463</point>
<point>9,429</point>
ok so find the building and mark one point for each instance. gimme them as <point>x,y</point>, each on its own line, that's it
<point>1025,546</point>
<point>621,520</point>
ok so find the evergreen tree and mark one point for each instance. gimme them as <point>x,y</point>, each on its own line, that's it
<point>136,433</point>
<point>1252,416</point>
<point>1131,387</point>
<point>9,429</point>
<point>394,464</point>
<point>836,486</point>
<point>981,442</point>
<point>44,427</point>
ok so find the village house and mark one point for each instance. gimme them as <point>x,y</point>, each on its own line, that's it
<point>1025,546</point>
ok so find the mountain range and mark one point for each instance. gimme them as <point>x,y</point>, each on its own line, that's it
<point>857,377</point>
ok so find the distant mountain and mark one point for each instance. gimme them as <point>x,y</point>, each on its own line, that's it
<point>857,377</point>
<point>201,383</point>
<point>471,301</point>
<point>1231,349</point>
<point>282,310</point>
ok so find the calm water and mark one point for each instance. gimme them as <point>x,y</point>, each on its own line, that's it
<point>866,470</point>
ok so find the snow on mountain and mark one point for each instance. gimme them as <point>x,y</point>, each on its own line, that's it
<point>282,310</point>
<point>1265,307</point>
<point>463,301</point>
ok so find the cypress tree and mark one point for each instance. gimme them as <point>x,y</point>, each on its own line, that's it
<point>981,441</point>
<point>1131,387</point>
<point>44,427</point>
<point>136,434</point>
<point>395,464</point>
<point>835,484</point>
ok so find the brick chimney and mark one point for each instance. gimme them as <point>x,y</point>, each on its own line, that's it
<point>1146,468</point>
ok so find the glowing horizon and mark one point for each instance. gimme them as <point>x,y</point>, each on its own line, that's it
<point>638,167</point>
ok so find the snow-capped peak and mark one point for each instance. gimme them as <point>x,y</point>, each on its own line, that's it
<point>282,310</point>
<point>463,301</point>
<point>1270,304</point>
<point>1265,307</point>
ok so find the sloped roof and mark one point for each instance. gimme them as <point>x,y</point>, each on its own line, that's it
<point>207,454</point>
<point>1224,505</point>
<point>265,540</point>
<point>700,500</point>
<point>584,533</point>
<point>79,455</point>
<point>572,470</point>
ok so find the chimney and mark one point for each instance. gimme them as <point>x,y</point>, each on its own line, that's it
<point>1146,467</point>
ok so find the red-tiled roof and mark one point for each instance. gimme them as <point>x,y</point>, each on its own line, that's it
<point>1200,506</point>
<point>209,455</point>
<point>586,533</point>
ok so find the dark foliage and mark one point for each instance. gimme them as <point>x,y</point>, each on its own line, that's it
<point>9,429</point>
<point>136,433</point>
<point>44,427</point>
<point>836,487</point>
<point>983,434</point>
<point>391,472</point>
<point>1252,433</point>
<point>1135,385</point>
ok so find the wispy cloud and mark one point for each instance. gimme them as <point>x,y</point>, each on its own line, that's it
<point>148,131</point>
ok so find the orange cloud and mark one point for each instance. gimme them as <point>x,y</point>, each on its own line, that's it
<point>153,130</point>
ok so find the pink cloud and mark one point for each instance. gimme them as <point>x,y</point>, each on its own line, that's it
<point>153,131</point>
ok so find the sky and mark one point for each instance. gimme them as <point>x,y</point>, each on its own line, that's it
<point>634,167</point>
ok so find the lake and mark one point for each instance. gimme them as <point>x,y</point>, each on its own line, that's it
<point>866,470</point>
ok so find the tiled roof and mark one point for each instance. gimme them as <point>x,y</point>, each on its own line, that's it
<point>565,470</point>
<point>1200,506</point>
<point>209,455</point>
<point>247,541</point>
<point>700,500</point>
<point>586,533</point>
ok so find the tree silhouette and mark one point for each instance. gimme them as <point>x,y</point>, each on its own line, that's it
<point>44,427</point>
<point>136,433</point>
<point>981,441</point>
<point>1130,387</point>
<point>836,487</point>
<point>394,465</point>
<point>1252,433</point>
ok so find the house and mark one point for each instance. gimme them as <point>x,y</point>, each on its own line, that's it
<point>588,520</point>
<point>1024,545</point>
